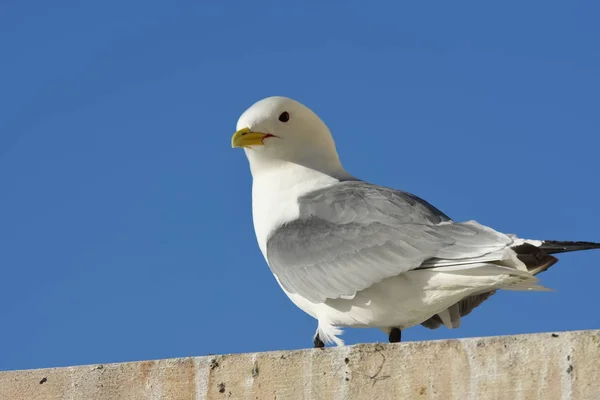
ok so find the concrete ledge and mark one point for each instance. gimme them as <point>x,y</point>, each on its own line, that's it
<point>541,366</point>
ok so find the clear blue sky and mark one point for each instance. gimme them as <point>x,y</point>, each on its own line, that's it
<point>125,216</point>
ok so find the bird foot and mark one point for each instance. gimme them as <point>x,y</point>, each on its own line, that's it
<point>395,335</point>
<point>318,342</point>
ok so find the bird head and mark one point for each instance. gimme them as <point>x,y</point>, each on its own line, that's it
<point>280,130</point>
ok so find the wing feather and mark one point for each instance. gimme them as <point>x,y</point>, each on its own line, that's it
<point>354,234</point>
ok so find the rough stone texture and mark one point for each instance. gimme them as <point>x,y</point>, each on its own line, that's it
<point>542,366</point>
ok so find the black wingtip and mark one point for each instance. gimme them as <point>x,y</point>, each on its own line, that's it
<point>555,246</point>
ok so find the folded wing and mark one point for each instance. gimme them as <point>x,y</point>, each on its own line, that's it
<point>354,234</point>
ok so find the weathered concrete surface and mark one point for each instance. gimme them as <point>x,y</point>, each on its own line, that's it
<point>545,366</point>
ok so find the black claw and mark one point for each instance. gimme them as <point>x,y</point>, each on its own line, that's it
<point>395,335</point>
<point>318,342</point>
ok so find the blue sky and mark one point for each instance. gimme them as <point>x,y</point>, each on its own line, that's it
<point>125,216</point>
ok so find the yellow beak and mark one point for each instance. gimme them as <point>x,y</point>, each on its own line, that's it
<point>246,138</point>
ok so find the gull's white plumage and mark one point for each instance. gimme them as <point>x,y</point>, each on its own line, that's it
<point>378,278</point>
<point>402,301</point>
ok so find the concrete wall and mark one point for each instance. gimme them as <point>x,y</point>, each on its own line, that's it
<point>545,366</point>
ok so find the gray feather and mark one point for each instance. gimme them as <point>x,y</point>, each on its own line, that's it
<point>465,306</point>
<point>353,234</point>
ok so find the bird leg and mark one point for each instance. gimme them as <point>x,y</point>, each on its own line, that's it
<point>318,342</point>
<point>395,335</point>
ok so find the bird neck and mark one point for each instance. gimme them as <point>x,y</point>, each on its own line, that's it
<point>305,167</point>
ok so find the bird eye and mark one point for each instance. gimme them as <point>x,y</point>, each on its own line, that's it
<point>284,116</point>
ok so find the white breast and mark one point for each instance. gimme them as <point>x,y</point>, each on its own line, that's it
<point>275,197</point>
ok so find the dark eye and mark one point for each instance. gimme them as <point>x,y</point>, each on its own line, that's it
<point>284,116</point>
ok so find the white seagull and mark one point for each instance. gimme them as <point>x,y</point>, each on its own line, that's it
<point>354,254</point>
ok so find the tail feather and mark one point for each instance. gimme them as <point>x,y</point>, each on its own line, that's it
<point>536,257</point>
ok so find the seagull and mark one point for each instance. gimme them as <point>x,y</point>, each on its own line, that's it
<point>354,254</point>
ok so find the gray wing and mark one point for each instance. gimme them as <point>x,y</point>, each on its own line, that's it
<point>354,234</point>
